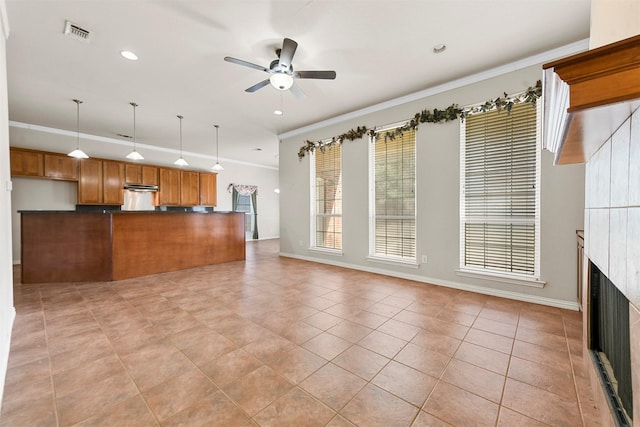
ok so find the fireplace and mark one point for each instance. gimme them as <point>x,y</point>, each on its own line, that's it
<point>609,344</point>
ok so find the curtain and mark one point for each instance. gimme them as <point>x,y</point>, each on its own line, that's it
<point>254,202</point>
<point>234,199</point>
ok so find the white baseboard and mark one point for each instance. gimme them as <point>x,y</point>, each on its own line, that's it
<point>5,346</point>
<point>552,302</point>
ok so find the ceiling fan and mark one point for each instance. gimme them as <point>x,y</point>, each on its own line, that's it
<point>281,70</point>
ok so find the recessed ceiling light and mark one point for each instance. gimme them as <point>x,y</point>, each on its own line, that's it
<point>439,48</point>
<point>278,112</point>
<point>129,55</point>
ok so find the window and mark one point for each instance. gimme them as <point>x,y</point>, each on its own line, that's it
<point>499,202</point>
<point>326,209</point>
<point>392,182</point>
<point>244,205</point>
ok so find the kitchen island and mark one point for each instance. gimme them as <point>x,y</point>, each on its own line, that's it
<point>69,246</point>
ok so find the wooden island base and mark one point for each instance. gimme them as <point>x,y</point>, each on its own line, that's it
<point>60,246</point>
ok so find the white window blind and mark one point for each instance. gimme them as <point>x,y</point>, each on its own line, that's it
<point>393,197</point>
<point>500,159</point>
<point>327,201</point>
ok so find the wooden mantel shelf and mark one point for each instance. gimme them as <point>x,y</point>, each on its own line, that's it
<point>588,96</point>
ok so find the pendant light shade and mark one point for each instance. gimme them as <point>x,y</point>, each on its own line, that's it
<point>217,167</point>
<point>78,153</point>
<point>181,161</point>
<point>134,155</point>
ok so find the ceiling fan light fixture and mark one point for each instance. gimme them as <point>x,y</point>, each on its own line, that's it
<point>281,81</point>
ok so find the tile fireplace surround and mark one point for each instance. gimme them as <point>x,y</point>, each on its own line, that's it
<point>612,238</point>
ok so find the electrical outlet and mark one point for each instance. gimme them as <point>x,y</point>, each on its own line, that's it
<point>424,259</point>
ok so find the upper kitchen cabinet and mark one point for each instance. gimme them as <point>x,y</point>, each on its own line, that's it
<point>141,174</point>
<point>113,183</point>
<point>26,163</point>
<point>189,188</point>
<point>62,167</point>
<point>169,187</point>
<point>208,189</point>
<point>101,182</point>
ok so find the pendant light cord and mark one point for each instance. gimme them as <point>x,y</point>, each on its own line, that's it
<point>78,102</point>
<point>180,117</point>
<point>134,105</point>
<point>217,151</point>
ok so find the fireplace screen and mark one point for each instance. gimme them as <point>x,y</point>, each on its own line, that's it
<point>610,342</point>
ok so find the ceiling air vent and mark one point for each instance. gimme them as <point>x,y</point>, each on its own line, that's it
<point>77,32</point>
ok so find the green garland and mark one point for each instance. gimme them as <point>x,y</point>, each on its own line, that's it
<point>452,112</point>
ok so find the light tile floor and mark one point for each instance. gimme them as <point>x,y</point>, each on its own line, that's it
<point>282,342</point>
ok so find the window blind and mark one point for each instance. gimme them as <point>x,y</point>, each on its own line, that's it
<point>394,198</point>
<point>499,200</point>
<point>328,197</point>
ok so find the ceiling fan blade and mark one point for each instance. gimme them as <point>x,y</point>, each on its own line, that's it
<point>257,86</point>
<point>297,92</point>
<point>245,63</point>
<point>286,53</point>
<point>329,75</point>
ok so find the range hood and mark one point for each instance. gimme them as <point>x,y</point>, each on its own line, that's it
<point>140,187</point>
<point>588,96</point>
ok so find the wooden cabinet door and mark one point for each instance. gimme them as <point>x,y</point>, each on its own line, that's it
<point>90,182</point>
<point>26,163</point>
<point>113,183</point>
<point>208,189</point>
<point>60,167</point>
<point>141,174</point>
<point>169,187</point>
<point>133,174</point>
<point>149,175</point>
<point>189,188</point>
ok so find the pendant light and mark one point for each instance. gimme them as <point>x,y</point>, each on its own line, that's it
<point>181,161</point>
<point>78,153</point>
<point>217,167</point>
<point>134,155</point>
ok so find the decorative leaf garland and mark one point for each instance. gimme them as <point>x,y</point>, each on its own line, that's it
<point>452,112</point>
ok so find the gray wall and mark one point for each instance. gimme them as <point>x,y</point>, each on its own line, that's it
<point>7,310</point>
<point>438,184</point>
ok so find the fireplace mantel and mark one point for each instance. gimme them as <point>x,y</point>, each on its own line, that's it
<point>588,96</point>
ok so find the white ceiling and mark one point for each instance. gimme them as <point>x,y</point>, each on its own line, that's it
<point>379,49</point>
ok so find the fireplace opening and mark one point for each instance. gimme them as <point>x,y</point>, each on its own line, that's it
<point>610,345</point>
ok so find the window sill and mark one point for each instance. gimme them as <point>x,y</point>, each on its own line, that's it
<point>504,278</point>
<point>335,252</point>
<point>394,261</point>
